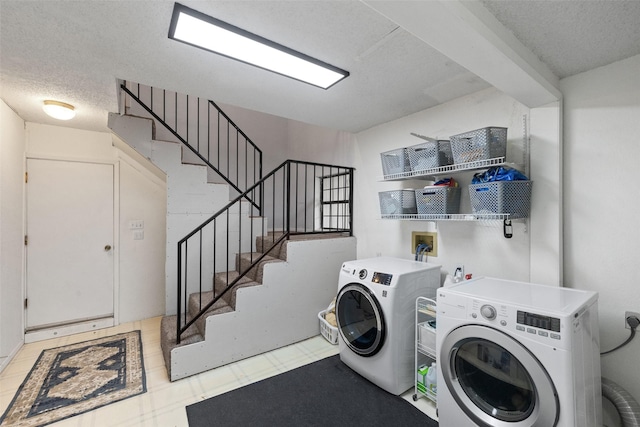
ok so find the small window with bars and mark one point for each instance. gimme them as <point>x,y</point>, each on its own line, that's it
<point>335,196</point>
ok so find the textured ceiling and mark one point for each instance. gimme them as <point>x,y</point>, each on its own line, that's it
<point>573,36</point>
<point>74,51</point>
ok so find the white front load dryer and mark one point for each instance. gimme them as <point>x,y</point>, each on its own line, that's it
<point>375,311</point>
<point>514,354</point>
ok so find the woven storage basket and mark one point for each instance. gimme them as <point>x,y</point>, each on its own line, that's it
<point>397,202</point>
<point>430,155</point>
<point>438,200</point>
<point>501,197</point>
<point>480,144</point>
<point>395,161</point>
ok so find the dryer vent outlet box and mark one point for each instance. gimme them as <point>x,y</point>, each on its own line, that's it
<point>425,237</point>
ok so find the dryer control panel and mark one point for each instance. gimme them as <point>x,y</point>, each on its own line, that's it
<point>543,322</point>
<point>536,326</point>
<point>382,278</point>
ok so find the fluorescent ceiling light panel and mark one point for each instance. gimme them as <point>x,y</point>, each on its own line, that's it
<point>203,31</point>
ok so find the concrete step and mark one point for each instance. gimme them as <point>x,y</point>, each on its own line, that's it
<point>221,281</point>
<point>244,261</point>
<point>265,242</point>
<point>280,251</point>
<point>198,300</point>
<point>168,333</point>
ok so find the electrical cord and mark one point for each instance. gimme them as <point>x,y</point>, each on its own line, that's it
<point>633,323</point>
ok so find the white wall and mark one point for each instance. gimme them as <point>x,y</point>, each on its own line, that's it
<point>141,267</point>
<point>480,246</point>
<point>268,132</point>
<point>283,139</point>
<point>12,143</point>
<point>546,204</point>
<point>602,239</point>
<point>321,145</point>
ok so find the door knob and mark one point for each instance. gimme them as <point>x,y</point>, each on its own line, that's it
<point>107,248</point>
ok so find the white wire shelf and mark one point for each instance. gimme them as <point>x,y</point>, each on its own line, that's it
<point>447,217</point>
<point>426,350</point>
<point>426,310</point>
<point>428,394</point>
<point>426,307</point>
<point>444,170</point>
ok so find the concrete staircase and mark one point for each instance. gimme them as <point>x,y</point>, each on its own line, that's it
<point>191,197</point>
<point>274,306</point>
<point>225,305</point>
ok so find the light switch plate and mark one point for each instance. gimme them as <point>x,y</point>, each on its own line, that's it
<point>136,224</point>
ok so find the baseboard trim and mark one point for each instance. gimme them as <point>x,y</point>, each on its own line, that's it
<point>63,331</point>
<point>4,361</point>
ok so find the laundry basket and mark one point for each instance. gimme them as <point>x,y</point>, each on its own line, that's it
<point>327,330</point>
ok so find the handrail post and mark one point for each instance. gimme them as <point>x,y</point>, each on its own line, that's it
<point>178,300</point>
<point>260,208</point>
<point>288,204</point>
<point>350,202</point>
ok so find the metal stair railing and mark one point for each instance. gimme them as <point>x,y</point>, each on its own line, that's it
<point>299,197</point>
<point>202,127</point>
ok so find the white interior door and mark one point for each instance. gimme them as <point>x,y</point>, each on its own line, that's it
<point>70,229</point>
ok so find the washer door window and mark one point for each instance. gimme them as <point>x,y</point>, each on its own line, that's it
<point>497,381</point>
<point>360,320</point>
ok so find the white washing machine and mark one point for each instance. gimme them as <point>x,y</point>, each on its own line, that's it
<point>517,354</point>
<point>375,311</point>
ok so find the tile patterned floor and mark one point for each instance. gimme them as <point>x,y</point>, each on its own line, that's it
<point>164,403</point>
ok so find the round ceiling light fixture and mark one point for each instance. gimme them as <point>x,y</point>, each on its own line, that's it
<point>59,110</point>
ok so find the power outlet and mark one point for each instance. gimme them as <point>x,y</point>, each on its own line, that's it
<point>425,237</point>
<point>459,267</point>
<point>628,314</point>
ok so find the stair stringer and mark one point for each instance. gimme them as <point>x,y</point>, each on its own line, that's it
<point>283,311</point>
<point>191,200</point>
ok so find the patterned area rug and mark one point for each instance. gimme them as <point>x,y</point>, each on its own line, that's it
<point>77,378</point>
